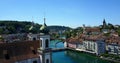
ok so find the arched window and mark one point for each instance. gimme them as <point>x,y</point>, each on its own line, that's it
<point>46,43</point>
<point>47,61</point>
<point>34,61</point>
<point>34,38</point>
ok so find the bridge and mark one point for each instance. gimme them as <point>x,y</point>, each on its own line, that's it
<point>57,42</point>
<point>58,49</point>
<point>57,39</point>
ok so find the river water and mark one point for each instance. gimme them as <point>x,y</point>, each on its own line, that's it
<point>69,56</point>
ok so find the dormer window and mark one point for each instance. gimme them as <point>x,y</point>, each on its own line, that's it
<point>6,55</point>
<point>34,38</point>
<point>33,50</point>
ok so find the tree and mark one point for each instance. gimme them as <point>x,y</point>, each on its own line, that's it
<point>1,30</point>
<point>118,31</point>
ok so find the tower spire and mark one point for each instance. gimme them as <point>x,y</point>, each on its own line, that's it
<point>44,18</point>
<point>32,21</point>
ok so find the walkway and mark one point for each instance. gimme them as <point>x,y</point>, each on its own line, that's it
<point>58,49</point>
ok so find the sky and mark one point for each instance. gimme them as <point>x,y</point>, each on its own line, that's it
<point>72,13</point>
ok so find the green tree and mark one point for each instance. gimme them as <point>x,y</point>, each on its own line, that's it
<point>1,30</point>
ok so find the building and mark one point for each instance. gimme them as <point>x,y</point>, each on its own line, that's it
<point>90,44</point>
<point>44,51</point>
<point>91,30</point>
<point>20,52</point>
<point>34,49</point>
<point>94,46</point>
<point>113,45</point>
<point>74,43</point>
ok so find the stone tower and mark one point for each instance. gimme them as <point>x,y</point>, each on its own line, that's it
<point>45,50</point>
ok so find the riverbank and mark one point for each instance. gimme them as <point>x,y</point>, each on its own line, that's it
<point>92,53</point>
<point>111,57</point>
<point>70,56</point>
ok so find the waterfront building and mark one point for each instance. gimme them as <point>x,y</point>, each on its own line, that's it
<point>74,43</point>
<point>94,46</point>
<point>113,49</point>
<point>113,45</point>
<point>90,44</point>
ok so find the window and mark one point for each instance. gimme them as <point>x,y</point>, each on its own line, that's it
<point>5,52</point>
<point>33,50</point>
<point>41,43</point>
<point>34,61</point>
<point>7,57</point>
<point>46,43</point>
<point>34,38</point>
<point>47,61</point>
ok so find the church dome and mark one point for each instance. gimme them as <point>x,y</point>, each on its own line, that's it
<point>31,28</point>
<point>43,27</point>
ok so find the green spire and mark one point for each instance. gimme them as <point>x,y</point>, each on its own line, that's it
<point>43,28</point>
<point>44,25</point>
<point>31,28</point>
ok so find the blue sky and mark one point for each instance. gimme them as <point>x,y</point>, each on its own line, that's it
<point>72,13</point>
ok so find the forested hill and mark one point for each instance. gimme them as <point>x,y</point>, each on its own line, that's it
<point>9,27</point>
<point>57,28</point>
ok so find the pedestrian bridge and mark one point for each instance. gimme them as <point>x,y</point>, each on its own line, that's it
<point>58,49</point>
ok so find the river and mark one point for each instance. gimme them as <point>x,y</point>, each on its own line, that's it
<point>69,56</point>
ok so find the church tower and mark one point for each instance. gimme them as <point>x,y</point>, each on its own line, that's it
<point>45,50</point>
<point>104,24</point>
<point>45,53</point>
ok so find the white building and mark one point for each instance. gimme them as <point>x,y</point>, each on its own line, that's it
<point>113,49</point>
<point>97,46</point>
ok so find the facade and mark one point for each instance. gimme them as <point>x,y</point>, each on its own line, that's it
<point>97,47</point>
<point>113,49</point>
<point>73,43</point>
<point>90,44</point>
<point>44,51</point>
<point>113,45</point>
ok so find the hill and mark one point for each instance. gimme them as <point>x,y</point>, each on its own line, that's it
<point>9,27</point>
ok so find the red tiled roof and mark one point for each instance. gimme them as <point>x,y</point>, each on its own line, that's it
<point>113,39</point>
<point>92,29</point>
<point>18,51</point>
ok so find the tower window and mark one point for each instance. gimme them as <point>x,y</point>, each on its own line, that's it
<point>34,38</point>
<point>41,43</point>
<point>34,61</point>
<point>46,43</point>
<point>7,57</point>
<point>47,61</point>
